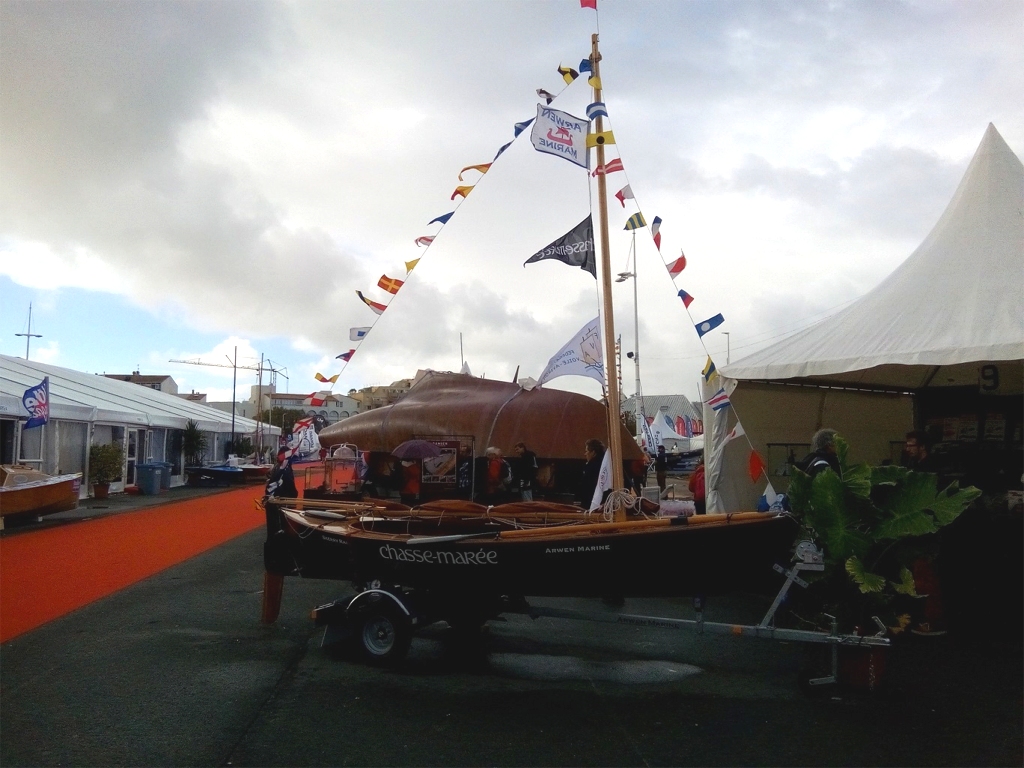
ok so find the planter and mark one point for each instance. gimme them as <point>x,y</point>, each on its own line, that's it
<point>862,668</point>
<point>100,490</point>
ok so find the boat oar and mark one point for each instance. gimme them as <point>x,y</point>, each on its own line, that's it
<point>273,584</point>
<point>443,539</point>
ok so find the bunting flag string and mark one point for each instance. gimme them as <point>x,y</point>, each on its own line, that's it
<point>676,266</point>
<point>755,466</point>
<point>520,127</point>
<point>462,191</point>
<point>588,4</point>
<point>594,82</point>
<point>546,95</point>
<point>624,194</point>
<point>612,166</point>
<point>585,66</point>
<point>346,356</point>
<point>390,284</point>
<point>719,400</point>
<point>358,334</point>
<point>568,74</point>
<point>596,110</point>
<point>324,379</point>
<point>375,306</point>
<point>636,221</point>
<point>600,138</point>
<point>443,219</point>
<point>482,167</point>
<point>687,299</point>
<point>314,399</point>
<point>656,232</point>
<point>502,148</point>
<point>411,265</point>
<point>709,369</point>
<point>425,240</point>
<point>710,324</point>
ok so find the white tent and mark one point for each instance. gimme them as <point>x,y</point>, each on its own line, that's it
<point>951,315</point>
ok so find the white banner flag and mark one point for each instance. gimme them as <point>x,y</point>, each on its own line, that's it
<point>604,481</point>
<point>581,356</point>
<point>559,133</point>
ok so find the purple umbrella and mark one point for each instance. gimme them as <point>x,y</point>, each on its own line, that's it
<point>416,449</point>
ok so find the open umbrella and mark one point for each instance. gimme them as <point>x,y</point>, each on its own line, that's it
<point>416,449</point>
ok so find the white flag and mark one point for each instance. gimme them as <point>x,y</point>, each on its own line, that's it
<point>357,334</point>
<point>604,481</point>
<point>581,356</point>
<point>465,369</point>
<point>737,431</point>
<point>559,133</point>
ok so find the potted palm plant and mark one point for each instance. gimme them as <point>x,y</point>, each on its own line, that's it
<point>106,464</point>
<point>193,445</point>
<point>873,523</point>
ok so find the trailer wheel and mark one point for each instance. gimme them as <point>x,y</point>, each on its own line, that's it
<point>383,635</point>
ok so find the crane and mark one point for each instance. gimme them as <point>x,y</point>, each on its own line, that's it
<point>265,364</point>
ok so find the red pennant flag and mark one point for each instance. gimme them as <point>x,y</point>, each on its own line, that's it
<point>755,466</point>
<point>588,4</point>
<point>624,194</point>
<point>378,308</point>
<point>656,231</point>
<point>425,240</point>
<point>462,191</point>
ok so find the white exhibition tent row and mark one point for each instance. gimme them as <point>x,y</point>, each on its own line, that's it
<point>951,315</point>
<point>89,408</point>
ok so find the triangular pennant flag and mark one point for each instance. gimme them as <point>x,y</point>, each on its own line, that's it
<point>624,194</point>
<point>411,265</point>
<point>585,66</point>
<point>546,95</point>
<point>676,266</point>
<point>425,240</point>
<point>595,83</point>
<point>636,221</point>
<point>599,139</point>
<point>612,166</point>
<point>389,284</point>
<point>462,191</point>
<point>482,167</point>
<point>656,231</point>
<point>568,74</point>
<point>520,127</point>
<point>709,369</point>
<point>346,356</point>
<point>710,324</point>
<point>378,308</point>
<point>324,379</point>
<point>755,466</point>
<point>502,149</point>
<point>687,298</point>
<point>575,248</point>
<point>443,219</point>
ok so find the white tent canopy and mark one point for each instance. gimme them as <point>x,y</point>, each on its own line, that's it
<point>87,397</point>
<point>956,299</point>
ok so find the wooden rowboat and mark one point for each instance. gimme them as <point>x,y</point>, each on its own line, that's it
<point>24,490</point>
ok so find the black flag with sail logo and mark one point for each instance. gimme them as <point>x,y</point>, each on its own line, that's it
<point>575,248</point>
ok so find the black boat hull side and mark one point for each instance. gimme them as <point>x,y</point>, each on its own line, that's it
<point>659,562</point>
<point>311,553</point>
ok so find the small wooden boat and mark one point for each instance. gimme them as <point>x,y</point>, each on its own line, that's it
<point>215,475</point>
<point>24,490</point>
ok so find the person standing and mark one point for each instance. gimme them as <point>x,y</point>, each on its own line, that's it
<point>823,454</point>
<point>661,468</point>
<point>593,452</point>
<point>281,482</point>
<point>497,476</point>
<point>412,475</point>
<point>526,470</point>
<point>697,488</point>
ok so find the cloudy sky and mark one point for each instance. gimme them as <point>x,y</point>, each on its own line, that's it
<point>179,178</point>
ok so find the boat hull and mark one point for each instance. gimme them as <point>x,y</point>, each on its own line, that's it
<point>671,560</point>
<point>41,498</point>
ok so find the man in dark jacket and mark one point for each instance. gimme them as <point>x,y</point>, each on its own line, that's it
<point>661,467</point>
<point>526,470</point>
<point>823,454</point>
<point>281,481</point>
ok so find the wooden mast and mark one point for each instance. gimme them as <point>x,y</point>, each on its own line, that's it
<point>611,369</point>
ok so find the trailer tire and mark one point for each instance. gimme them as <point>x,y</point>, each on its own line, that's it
<point>382,635</point>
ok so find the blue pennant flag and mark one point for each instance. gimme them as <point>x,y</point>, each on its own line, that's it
<point>443,219</point>
<point>503,148</point>
<point>710,324</point>
<point>596,110</point>
<point>37,402</point>
<point>520,127</point>
<point>585,66</point>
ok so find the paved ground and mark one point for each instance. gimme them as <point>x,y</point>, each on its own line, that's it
<point>176,670</point>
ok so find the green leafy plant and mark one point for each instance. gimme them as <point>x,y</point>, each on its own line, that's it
<point>193,443</point>
<point>872,522</point>
<point>106,463</point>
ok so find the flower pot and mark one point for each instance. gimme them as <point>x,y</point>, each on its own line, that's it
<point>862,668</point>
<point>100,490</point>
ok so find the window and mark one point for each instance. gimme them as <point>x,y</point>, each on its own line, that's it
<point>32,445</point>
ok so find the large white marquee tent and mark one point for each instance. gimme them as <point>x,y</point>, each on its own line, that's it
<point>951,315</point>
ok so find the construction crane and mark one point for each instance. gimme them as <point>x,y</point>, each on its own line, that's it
<point>265,364</point>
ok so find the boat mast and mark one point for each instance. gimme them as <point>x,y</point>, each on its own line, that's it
<point>611,368</point>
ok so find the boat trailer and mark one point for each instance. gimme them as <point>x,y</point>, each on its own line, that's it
<point>381,620</point>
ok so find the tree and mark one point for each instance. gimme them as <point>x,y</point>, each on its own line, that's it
<point>193,443</point>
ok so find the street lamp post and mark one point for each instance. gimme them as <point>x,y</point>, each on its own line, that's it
<point>637,403</point>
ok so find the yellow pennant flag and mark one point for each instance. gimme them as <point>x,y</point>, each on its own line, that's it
<point>333,379</point>
<point>597,139</point>
<point>462,191</point>
<point>482,167</point>
<point>595,82</point>
<point>410,265</point>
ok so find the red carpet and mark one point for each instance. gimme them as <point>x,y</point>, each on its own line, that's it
<point>48,573</point>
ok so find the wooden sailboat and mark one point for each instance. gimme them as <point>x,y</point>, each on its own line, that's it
<point>478,554</point>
